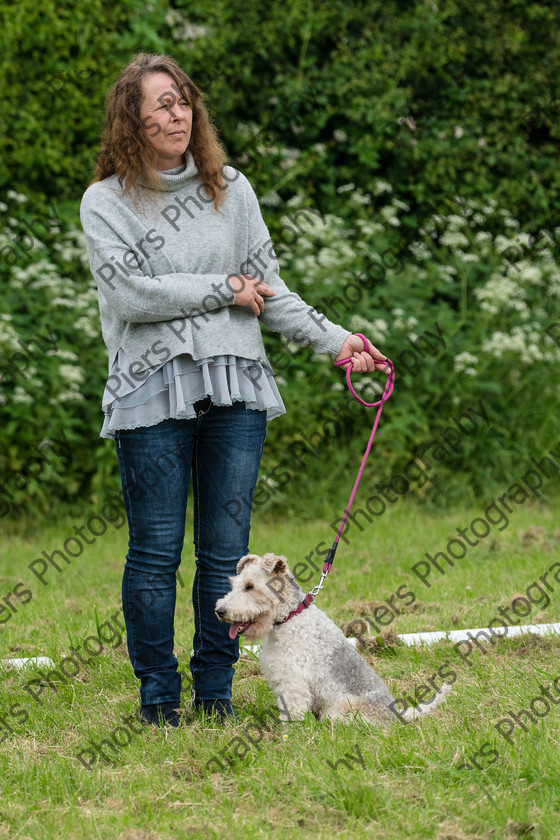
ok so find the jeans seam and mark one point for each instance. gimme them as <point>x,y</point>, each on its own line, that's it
<point>197,539</point>
<point>132,645</point>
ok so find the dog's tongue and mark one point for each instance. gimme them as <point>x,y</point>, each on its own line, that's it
<point>234,628</point>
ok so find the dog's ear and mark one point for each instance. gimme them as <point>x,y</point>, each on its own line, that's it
<point>249,558</point>
<point>275,564</point>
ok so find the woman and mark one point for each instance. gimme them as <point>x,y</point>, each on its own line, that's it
<point>186,272</point>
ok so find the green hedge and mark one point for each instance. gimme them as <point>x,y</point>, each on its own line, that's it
<point>423,143</point>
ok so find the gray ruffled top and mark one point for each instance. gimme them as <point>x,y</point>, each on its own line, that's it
<point>173,387</point>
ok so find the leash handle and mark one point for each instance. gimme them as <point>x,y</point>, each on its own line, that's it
<point>389,385</point>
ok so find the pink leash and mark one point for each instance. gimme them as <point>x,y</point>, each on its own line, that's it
<point>387,391</point>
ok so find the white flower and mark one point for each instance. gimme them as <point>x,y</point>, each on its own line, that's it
<point>453,219</point>
<point>501,292</point>
<point>529,272</point>
<point>296,200</point>
<point>420,250</point>
<point>15,196</point>
<point>346,188</point>
<point>378,329</point>
<point>60,301</point>
<point>500,342</point>
<point>271,199</point>
<point>366,228</point>
<point>85,325</point>
<point>340,136</point>
<point>554,284</point>
<point>327,258</point>
<point>452,238</point>
<point>458,131</point>
<point>464,362</point>
<point>9,336</point>
<point>359,197</point>
<point>291,154</point>
<point>381,187</point>
<point>184,29</point>
<point>388,212</point>
<point>66,396</point>
<point>71,374</point>
<point>522,340</point>
<point>21,396</point>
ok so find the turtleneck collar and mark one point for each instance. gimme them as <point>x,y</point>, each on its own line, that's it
<point>174,179</point>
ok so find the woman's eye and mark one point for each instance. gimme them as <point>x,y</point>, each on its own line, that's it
<point>169,105</point>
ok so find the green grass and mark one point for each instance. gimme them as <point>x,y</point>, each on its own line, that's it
<point>406,782</point>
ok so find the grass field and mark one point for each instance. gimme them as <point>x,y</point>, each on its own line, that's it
<point>262,778</point>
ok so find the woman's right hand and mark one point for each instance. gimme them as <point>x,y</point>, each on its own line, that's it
<point>249,291</point>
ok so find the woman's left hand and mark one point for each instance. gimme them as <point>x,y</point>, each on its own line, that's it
<point>363,360</point>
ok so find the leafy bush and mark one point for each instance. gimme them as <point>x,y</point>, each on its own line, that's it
<point>405,158</point>
<point>52,365</point>
<point>488,304</point>
<point>474,277</point>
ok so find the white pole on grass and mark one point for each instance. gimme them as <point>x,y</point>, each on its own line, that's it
<point>459,635</point>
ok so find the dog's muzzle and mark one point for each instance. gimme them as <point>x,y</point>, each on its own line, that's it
<point>236,627</point>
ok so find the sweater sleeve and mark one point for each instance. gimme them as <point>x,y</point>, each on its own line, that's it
<point>117,267</point>
<point>286,313</point>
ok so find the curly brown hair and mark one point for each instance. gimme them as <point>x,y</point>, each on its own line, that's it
<point>124,149</point>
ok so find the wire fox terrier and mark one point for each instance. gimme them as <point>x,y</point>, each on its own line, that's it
<point>307,660</point>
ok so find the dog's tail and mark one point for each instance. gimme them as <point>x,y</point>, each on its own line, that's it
<point>427,707</point>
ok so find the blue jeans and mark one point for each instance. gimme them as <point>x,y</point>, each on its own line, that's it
<point>222,447</point>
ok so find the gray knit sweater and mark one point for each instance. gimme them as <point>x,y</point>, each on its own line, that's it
<point>162,273</point>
